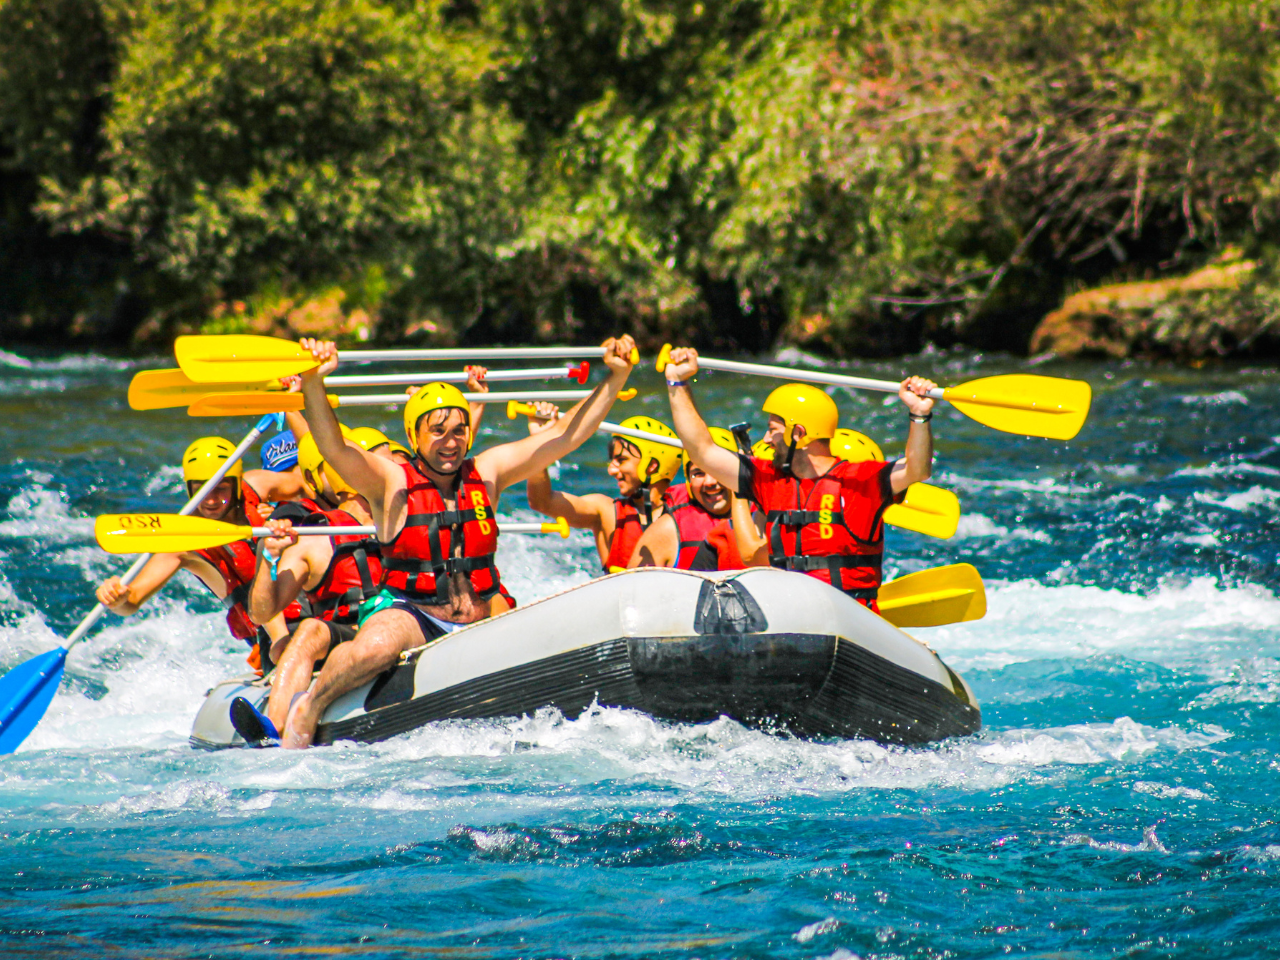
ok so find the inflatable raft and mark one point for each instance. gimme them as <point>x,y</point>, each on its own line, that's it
<point>766,647</point>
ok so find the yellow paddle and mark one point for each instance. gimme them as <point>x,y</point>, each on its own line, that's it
<point>927,509</point>
<point>933,598</point>
<point>273,401</point>
<point>174,533</point>
<point>246,358</point>
<point>1024,403</point>
<point>161,389</point>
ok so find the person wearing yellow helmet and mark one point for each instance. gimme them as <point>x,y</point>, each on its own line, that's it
<point>379,444</point>
<point>694,508</point>
<point>435,519</point>
<point>331,576</point>
<point>225,570</point>
<point>822,516</point>
<point>643,470</point>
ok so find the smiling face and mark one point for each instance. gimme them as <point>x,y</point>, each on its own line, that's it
<point>219,502</point>
<point>624,466</point>
<point>443,438</point>
<point>708,491</point>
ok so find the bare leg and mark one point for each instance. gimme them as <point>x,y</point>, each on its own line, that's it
<point>375,648</point>
<point>297,661</point>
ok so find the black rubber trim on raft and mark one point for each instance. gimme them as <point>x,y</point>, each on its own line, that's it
<point>867,696</point>
<point>570,681</point>
<point>794,680</point>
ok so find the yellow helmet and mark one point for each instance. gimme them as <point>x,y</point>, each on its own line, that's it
<point>666,457</point>
<point>206,456</point>
<point>434,396</point>
<point>854,447</point>
<point>313,466</point>
<point>371,438</point>
<point>762,449</point>
<point>800,403</point>
<point>721,436</point>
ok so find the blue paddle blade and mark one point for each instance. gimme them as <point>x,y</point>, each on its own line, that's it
<point>25,693</point>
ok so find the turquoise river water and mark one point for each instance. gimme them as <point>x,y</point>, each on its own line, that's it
<point>1121,799</point>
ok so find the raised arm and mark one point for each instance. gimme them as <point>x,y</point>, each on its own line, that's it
<point>917,463</point>
<point>581,513</point>
<point>519,460</point>
<point>476,383</point>
<point>688,423</point>
<point>373,477</point>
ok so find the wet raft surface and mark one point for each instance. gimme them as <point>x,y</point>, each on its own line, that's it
<point>1119,800</point>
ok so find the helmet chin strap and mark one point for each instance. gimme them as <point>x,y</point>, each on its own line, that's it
<point>785,466</point>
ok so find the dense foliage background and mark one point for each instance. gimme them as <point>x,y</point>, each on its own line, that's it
<point>855,177</point>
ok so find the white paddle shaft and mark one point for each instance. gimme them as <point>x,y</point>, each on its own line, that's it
<point>382,399</point>
<point>809,376</point>
<point>451,376</point>
<point>474,353</point>
<point>369,531</point>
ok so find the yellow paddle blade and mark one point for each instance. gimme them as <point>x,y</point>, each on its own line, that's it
<point>927,509</point>
<point>160,389</point>
<point>1025,403</point>
<point>248,404</point>
<point>163,533</point>
<point>933,598</point>
<point>240,358</point>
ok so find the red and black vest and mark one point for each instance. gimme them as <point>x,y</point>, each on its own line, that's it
<point>627,530</point>
<point>693,523</point>
<point>418,563</point>
<point>352,575</point>
<point>719,551</point>
<point>831,527</point>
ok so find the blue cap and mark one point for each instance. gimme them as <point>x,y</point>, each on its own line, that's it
<point>280,453</point>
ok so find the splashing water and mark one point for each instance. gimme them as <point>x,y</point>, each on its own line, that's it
<point>1119,800</point>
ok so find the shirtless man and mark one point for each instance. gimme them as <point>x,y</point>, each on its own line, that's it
<point>442,504</point>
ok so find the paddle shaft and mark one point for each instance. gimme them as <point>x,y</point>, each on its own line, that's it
<point>578,373</point>
<point>369,531</point>
<point>382,399</point>
<point>96,613</point>
<point>474,353</point>
<point>809,376</point>
<point>613,429</point>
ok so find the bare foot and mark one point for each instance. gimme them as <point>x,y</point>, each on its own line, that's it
<point>301,725</point>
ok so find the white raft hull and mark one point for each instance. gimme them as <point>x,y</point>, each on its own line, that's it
<point>763,646</point>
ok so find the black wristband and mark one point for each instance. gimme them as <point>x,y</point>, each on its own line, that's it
<point>921,418</point>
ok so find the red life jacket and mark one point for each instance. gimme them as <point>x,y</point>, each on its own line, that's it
<point>418,563</point>
<point>253,511</point>
<point>236,563</point>
<point>352,575</point>
<point>627,530</point>
<point>693,523</point>
<point>831,527</point>
<point>719,551</point>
